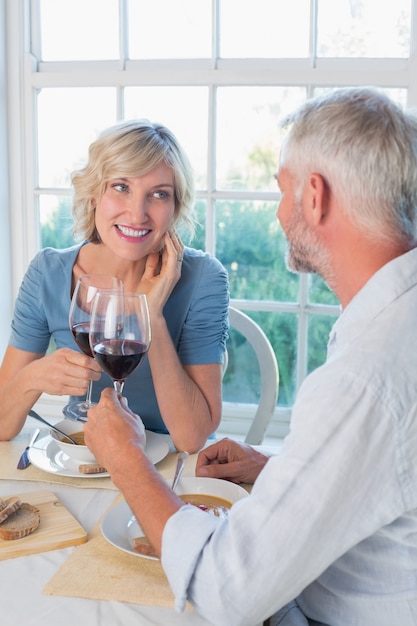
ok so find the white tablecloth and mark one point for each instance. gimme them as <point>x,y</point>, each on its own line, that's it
<point>23,578</point>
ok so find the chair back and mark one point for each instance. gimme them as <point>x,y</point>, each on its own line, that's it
<point>268,368</point>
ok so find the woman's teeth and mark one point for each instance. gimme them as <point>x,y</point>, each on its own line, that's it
<point>132,232</point>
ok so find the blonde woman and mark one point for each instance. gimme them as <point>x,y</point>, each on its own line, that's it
<point>134,193</point>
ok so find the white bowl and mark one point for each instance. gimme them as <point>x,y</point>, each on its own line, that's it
<point>186,486</point>
<point>211,487</point>
<point>78,453</point>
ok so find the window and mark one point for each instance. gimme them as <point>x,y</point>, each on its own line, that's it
<point>220,74</point>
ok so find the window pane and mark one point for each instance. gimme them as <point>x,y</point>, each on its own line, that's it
<point>319,327</point>
<point>265,28</point>
<point>163,29</point>
<point>184,110</point>
<point>319,292</point>
<point>248,138</point>
<point>74,30</point>
<point>241,382</point>
<point>56,221</point>
<point>252,247</point>
<point>364,28</point>
<point>281,330</point>
<point>199,239</point>
<point>69,119</point>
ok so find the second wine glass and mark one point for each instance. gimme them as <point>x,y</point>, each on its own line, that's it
<point>80,311</point>
<point>120,333</point>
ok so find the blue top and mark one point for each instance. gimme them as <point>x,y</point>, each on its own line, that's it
<point>196,315</point>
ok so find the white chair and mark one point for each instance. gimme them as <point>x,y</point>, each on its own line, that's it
<point>269,374</point>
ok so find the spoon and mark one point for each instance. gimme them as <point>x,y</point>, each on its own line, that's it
<point>33,413</point>
<point>181,461</point>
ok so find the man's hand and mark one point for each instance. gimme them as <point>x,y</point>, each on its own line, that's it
<point>113,432</point>
<point>230,460</point>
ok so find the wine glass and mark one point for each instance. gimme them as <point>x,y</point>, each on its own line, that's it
<point>79,322</point>
<point>120,333</point>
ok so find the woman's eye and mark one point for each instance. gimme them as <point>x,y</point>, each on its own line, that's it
<point>160,194</point>
<point>120,186</point>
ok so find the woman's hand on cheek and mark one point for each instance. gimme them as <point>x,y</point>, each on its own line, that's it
<point>161,276</point>
<point>177,244</point>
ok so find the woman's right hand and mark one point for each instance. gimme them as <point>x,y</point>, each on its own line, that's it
<point>64,372</point>
<point>24,376</point>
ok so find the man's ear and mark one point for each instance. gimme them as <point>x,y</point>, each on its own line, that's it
<point>316,197</point>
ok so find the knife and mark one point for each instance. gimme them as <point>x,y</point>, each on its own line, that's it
<point>24,459</point>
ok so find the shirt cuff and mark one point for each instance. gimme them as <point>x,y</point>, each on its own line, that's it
<point>184,537</point>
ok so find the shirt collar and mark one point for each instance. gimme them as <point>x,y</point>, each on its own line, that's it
<point>385,286</point>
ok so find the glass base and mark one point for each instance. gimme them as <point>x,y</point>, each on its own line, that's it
<point>77,411</point>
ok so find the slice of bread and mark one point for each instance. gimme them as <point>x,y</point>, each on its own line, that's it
<point>12,505</point>
<point>21,523</point>
<point>91,468</point>
<point>144,546</point>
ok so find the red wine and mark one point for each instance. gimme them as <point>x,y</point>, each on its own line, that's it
<point>80,333</point>
<point>119,357</point>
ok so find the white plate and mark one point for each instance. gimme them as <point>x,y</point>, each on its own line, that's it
<point>119,526</point>
<point>47,456</point>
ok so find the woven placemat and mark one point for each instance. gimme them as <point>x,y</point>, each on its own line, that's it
<point>99,571</point>
<point>10,452</point>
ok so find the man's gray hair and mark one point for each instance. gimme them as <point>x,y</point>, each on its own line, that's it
<point>365,147</point>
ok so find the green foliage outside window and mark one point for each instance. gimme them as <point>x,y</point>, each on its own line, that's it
<point>56,229</point>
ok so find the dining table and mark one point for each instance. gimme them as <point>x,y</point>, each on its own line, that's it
<point>73,576</point>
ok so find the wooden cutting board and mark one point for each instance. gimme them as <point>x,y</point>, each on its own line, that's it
<point>57,528</point>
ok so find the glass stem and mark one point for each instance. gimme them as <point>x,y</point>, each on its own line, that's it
<point>88,403</point>
<point>118,386</point>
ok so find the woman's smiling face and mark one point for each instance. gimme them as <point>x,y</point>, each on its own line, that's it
<point>134,213</point>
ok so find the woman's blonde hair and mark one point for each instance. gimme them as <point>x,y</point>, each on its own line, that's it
<point>130,148</point>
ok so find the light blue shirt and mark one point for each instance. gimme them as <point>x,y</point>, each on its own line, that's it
<point>196,314</point>
<point>332,519</point>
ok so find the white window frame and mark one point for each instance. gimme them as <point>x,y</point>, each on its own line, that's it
<point>21,75</point>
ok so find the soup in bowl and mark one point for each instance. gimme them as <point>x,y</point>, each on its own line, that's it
<point>212,495</point>
<point>79,453</point>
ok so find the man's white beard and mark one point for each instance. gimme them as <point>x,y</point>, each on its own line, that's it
<point>305,252</point>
